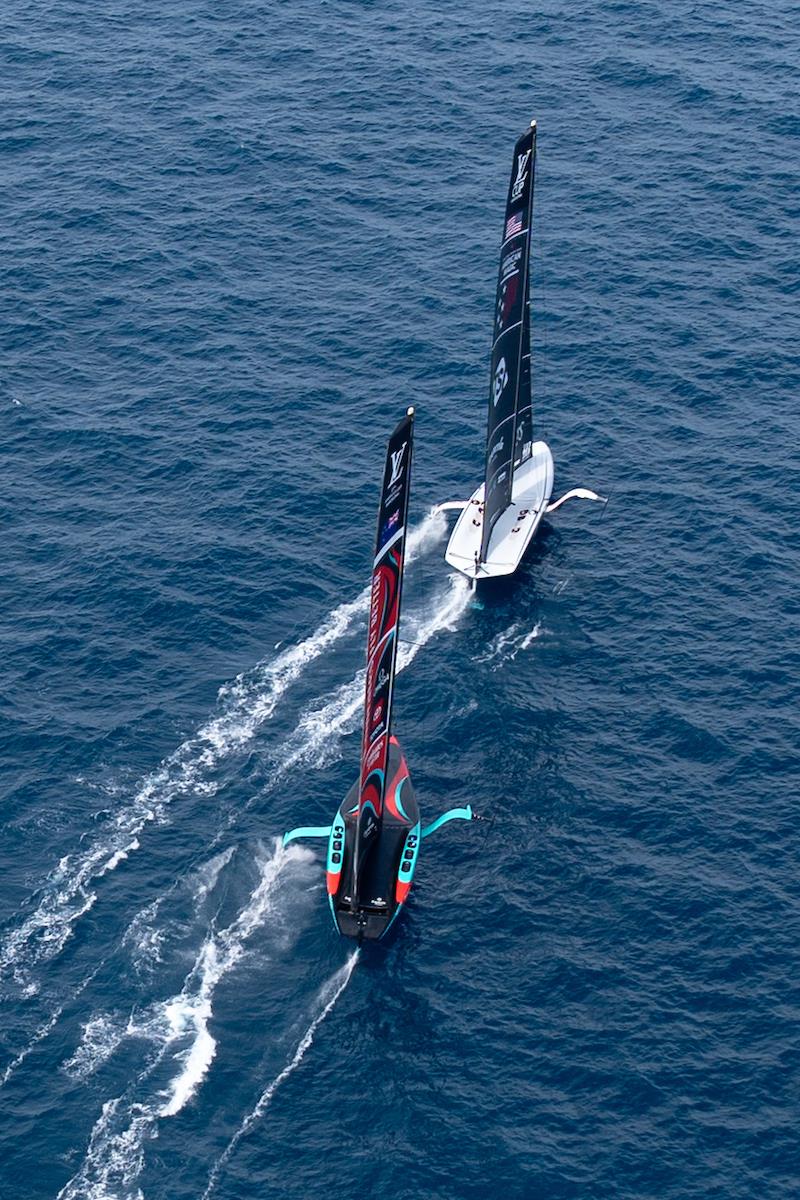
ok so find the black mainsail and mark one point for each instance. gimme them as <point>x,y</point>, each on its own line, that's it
<point>384,618</point>
<point>509,433</point>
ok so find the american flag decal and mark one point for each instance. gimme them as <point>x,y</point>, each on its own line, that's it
<point>513,225</point>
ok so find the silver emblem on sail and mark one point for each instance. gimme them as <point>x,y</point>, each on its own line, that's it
<point>522,175</point>
<point>397,464</point>
<point>500,381</point>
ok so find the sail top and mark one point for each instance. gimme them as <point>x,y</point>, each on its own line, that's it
<point>384,618</point>
<point>509,423</point>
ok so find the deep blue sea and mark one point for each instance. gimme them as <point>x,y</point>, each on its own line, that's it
<point>238,240</point>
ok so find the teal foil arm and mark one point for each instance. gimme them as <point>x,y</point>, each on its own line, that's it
<point>452,814</point>
<point>306,831</point>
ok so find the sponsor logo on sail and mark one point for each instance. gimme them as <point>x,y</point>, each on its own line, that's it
<point>496,448</point>
<point>510,263</point>
<point>522,174</point>
<point>397,465</point>
<point>370,825</point>
<point>373,756</point>
<point>394,484</point>
<point>382,680</point>
<point>500,381</point>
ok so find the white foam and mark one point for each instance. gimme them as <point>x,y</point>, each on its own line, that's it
<point>447,610</point>
<point>506,645</point>
<point>530,637</point>
<point>101,1036</point>
<point>40,1035</point>
<point>119,856</point>
<point>329,993</point>
<point>115,1155</point>
<point>424,536</point>
<point>498,644</point>
<point>114,1158</point>
<point>144,937</point>
<point>191,1011</point>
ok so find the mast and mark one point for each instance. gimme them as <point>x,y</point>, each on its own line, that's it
<point>523,415</point>
<point>511,341</point>
<point>384,619</point>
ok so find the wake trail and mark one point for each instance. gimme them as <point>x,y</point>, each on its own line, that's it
<point>44,1029</point>
<point>104,1032</point>
<point>247,703</point>
<point>314,740</point>
<point>145,936</point>
<point>326,999</point>
<point>114,1158</point>
<point>191,1010</point>
<point>39,1036</point>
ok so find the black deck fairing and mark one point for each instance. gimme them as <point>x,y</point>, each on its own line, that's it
<point>369,914</point>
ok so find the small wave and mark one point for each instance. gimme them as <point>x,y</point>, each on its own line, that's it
<point>329,993</point>
<point>506,645</point>
<point>39,1036</point>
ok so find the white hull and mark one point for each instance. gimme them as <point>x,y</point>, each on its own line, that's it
<point>530,493</point>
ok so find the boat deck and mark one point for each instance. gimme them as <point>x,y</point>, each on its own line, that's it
<point>530,494</point>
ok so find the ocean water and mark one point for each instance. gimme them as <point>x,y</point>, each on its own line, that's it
<point>238,241</point>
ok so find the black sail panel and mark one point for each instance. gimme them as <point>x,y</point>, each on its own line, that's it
<point>384,619</point>
<point>524,422</point>
<point>511,341</point>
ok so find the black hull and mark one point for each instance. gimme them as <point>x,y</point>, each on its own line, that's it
<point>385,877</point>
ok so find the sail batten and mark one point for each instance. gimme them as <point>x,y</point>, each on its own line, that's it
<point>509,427</point>
<point>384,618</point>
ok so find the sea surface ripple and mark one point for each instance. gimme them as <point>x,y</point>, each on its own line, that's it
<point>238,241</point>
